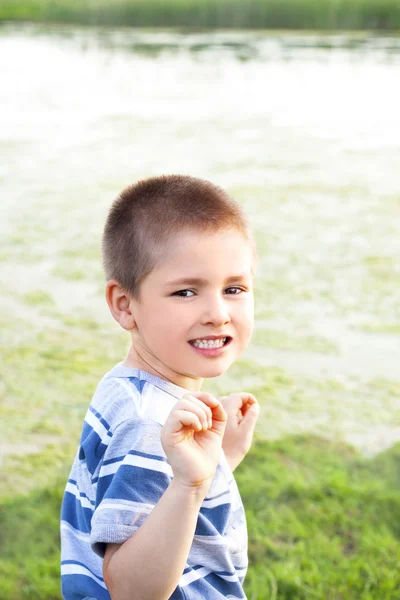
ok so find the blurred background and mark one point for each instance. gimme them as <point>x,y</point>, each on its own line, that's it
<point>291,106</point>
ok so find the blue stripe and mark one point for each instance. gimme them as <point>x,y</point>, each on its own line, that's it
<point>138,383</point>
<point>78,587</point>
<point>134,484</point>
<point>225,587</point>
<point>135,453</point>
<point>212,521</point>
<point>220,573</point>
<point>81,494</point>
<point>212,587</point>
<point>147,455</point>
<point>92,448</point>
<point>194,568</point>
<point>73,513</point>
<point>100,418</point>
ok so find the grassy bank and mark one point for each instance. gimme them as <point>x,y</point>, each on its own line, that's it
<point>323,523</point>
<point>291,14</point>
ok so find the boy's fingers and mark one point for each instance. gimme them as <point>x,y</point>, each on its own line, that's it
<point>219,413</point>
<point>250,418</point>
<point>200,408</point>
<point>219,420</point>
<point>231,403</point>
<point>204,406</point>
<point>204,397</point>
<point>184,418</point>
<point>250,401</point>
<point>247,398</point>
<point>216,418</point>
<point>238,401</point>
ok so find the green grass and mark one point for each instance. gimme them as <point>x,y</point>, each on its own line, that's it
<point>323,523</point>
<point>290,14</point>
<point>29,545</point>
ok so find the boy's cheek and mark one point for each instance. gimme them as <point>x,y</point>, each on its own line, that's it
<point>249,314</point>
<point>250,327</point>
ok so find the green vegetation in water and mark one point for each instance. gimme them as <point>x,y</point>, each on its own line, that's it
<point>46,381</point>
<point>323,523</point>
<point>291,14</point>
<point>273,338</point>
<point>389,328</point>
<point>38,298</point>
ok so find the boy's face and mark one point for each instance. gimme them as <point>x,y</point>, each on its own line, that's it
<point>195,313</point>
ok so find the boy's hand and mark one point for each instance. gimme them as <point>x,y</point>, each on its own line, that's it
<point>192,438</point>
<point>242,411</point>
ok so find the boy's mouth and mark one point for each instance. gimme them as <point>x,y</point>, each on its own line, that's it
<point>211,342</point>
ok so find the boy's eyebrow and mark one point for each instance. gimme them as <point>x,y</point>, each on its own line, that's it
<point>202,281</point>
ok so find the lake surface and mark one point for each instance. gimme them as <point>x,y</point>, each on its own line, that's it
<point>303,129</point>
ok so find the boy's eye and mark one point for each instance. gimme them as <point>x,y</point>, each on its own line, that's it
<point>184,293</point>
<point>234,290</point>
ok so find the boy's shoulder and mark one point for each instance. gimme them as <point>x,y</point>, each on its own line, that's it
<point>127,411</point>
<point>126,393</point>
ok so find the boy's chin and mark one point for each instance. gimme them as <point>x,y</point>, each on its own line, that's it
<point>211,371</point>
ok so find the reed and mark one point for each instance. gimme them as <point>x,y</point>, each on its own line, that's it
<point>269,14</point>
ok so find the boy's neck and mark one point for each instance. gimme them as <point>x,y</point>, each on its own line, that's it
<point>137,360</point>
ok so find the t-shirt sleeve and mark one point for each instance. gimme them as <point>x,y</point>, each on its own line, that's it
<point>132,478</point>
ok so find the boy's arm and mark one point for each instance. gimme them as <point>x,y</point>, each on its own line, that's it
<point>242,411</point>
<point>149,565</point>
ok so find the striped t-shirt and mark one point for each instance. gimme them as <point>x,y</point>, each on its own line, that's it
<point>119,474</point>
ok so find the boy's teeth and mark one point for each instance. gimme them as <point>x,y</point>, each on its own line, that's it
<point>209,343</point>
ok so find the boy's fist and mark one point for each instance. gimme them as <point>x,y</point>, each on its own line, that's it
<point>192,438</point>
<point>242,410</point>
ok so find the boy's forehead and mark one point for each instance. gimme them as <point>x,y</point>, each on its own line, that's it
<point>198,242</point>
<point>194,255</point>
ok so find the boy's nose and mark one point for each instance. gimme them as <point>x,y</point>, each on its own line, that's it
<point>216,313</point>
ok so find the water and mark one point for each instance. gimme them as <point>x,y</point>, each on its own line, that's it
<point>303,129</point>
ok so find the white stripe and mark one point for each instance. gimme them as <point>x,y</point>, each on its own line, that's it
<point>72,489</point>
<point>137,461</point>
<point>77,534</point>
<point>194,575</point>
<point>97,426</point>
<point>131,391</point>
<point>80,570</point>
<point>241,572</point>
<point>213,502</point>
<point>228,577</point>
<point>210,539</point>
<point>136,507</point>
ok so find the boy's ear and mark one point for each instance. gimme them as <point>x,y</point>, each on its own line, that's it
<point>119,303</point>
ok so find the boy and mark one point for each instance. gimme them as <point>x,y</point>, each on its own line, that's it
<point>151,509</point>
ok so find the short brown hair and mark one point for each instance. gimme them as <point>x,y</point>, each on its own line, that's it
<point>148,213</point>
